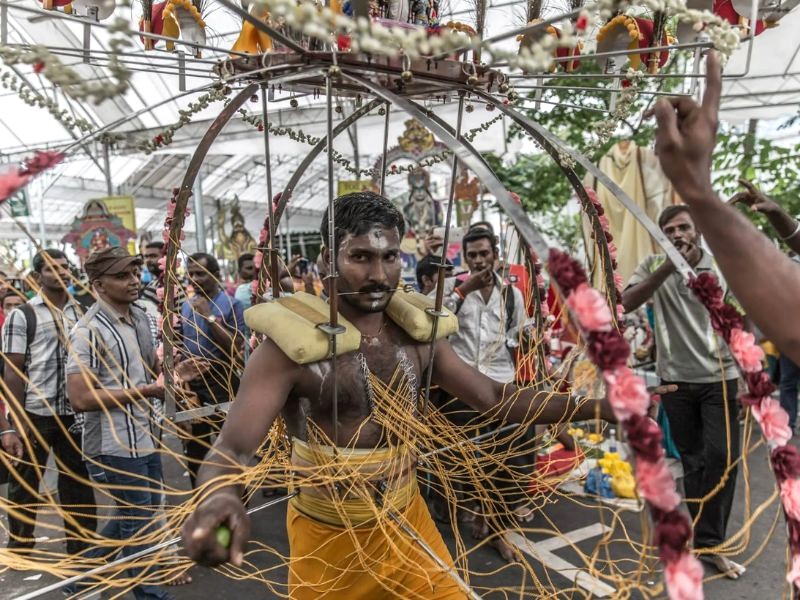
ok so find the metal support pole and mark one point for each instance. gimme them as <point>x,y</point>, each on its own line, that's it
<point>437,307</point>
<point>612,100</point>
<point>273,258</point>
<point>199,216</point>
<point>333,328</point>
<point>91,13</point>
<point>181,71</point>
<point>4,24</point>
<point>107,169</point>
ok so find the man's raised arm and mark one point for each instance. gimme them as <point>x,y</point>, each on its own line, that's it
<point>764,280</point>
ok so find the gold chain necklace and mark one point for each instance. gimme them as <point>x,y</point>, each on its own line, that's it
<point>365,336</point>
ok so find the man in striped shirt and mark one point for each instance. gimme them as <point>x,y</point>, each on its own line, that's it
<point>34,343</point>
<point>111,381</point>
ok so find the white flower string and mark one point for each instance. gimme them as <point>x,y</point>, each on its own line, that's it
<point>373,38</point>
<point>67,78</point>
<point>605,128</point>
<point>31,97</point>
<point>166,136</point>
<point>300,136</point>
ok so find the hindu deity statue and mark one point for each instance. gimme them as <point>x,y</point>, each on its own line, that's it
<point>467,193</point>
<point>239,241</point>
<point>421,211</point>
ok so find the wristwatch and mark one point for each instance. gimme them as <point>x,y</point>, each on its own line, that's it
<point>211,318</point>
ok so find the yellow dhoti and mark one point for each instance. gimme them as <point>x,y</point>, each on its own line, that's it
<point>369,560</point>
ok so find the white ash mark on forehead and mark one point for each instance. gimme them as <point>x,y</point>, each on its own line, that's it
<point>377,238</point>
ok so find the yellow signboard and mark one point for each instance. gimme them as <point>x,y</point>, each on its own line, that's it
<point>124,207</point>
<point>348,186</point>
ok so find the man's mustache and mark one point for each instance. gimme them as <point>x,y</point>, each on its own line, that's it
<point>374,288</point>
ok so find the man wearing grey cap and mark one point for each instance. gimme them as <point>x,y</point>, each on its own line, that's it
<point>111,383</point>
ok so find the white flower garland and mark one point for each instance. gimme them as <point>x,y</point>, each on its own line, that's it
<point>165,137</point>
<point>605,128</point>
<point>300,136</point>
<point>324,24</point>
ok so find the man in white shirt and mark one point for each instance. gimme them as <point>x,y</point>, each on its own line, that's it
<point>491,319</point>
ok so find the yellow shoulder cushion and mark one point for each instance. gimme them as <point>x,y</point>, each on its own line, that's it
<point>292,322</point>
<point>407,309</point>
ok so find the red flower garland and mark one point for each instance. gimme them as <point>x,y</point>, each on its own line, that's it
<point>609,352</point>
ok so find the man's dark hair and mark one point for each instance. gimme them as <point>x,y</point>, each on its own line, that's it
<point>243,258</point>
<point>476,234</point>
<point>154,244</point>
<point>429,265</point>
<point>481,225</point>
<point>39,261</point>
<point>358,212</point>
<point>671,212</point>
<point>211,263</point>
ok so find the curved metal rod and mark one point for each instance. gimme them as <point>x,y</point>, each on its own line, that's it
<point>314,152</point>
<point>537,131</point>
<point>173,245</point>
<point>259,24</point>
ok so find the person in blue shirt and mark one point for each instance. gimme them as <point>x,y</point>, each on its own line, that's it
<point>212,328</point>
<point>246,272</point>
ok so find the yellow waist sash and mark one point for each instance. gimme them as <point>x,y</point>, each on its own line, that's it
<point>349,487</point>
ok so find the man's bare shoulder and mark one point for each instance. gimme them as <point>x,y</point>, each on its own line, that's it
<point>268,360</point>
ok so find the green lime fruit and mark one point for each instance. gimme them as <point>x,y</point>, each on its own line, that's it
<point>224,536</point>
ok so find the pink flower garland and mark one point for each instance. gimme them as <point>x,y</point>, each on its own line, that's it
<point>17,178</point>
<point>160,289</point>
<point>629,399</point>
<point>774,421</point>
<point>602,219</point>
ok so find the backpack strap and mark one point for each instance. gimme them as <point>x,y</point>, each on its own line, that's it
<point>510,301</point>
<point>30,329</point>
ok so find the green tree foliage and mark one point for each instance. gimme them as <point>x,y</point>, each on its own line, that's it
<point>773,166</point>
<point>571,110</point>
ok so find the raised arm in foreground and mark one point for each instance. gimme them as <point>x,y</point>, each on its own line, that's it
<point>764,280</point>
